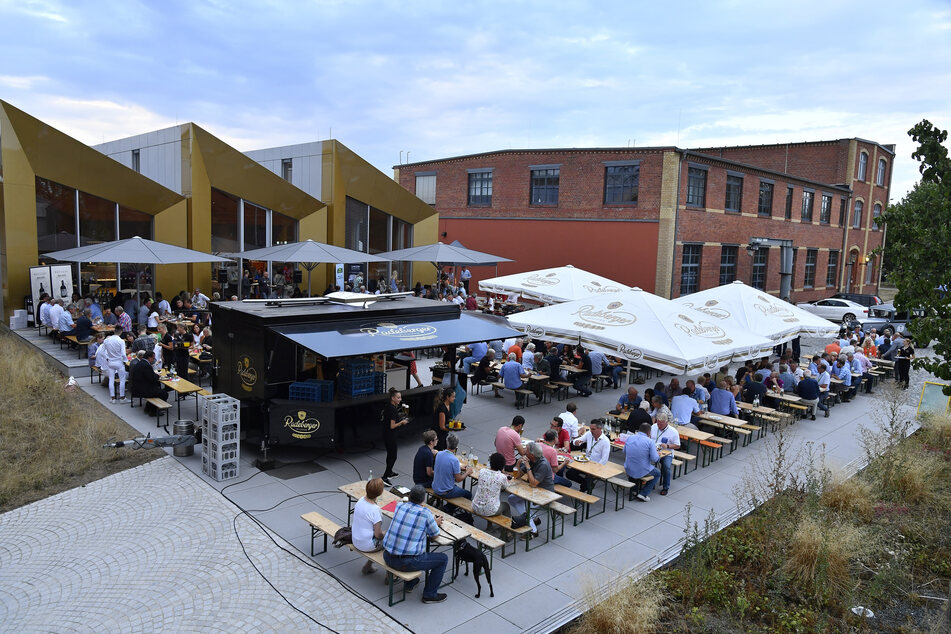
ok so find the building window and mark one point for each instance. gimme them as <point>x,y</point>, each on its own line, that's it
<point>809,280</point>
<point>136,161</point>
<point>807,200</point>
<point>832,270</point>
<point>863,165</point>
<point>842,211</point>
<point>857,215</point>
<point>727,264</point>
<point>620,183</point>
<point>545,186</point>
<point>788,214</point>
<point>869,271</point>
<point>758,278</point>
<point>825,209</point>
<point>426,187</point>
<point>287,169</point>
<point>696,187</point>
<point>734,193</point>
<point>876,214</point>
<point>880,174</point>
<point>480,189</point>
<point>690,269</point>
<point>765,199</point>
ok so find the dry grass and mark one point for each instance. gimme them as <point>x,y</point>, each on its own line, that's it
<point>51,437</point>
<point>819,556</point>
<point>936,431</point>
<point>849,496</point>
<point>637,607</point>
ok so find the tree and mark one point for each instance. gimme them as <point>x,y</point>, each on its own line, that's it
<point>919,248</point>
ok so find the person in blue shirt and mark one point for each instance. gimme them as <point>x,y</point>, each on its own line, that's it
<point>843,371</point>
<point>404,544</point>
<point>700,393</point>
<point>722,401</point>
<point>477,351</point>
<point>447,472</point>
<point>511,374</point>
<point>640,456</point>
<point>630,400</point>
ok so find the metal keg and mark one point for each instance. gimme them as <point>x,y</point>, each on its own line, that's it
<point>183,428</point>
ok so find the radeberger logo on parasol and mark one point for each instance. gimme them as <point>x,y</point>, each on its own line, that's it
<point>404,332</point>
<point>769,308</point>
<point>601,318</point>
<point>596,288</point>
<point>701,329</point>
<point>535,331</point>
<point>301,424</point>
<point>709,308</point>
<point>550,279</point>
<point>247,374</point>
<point>629,353</point>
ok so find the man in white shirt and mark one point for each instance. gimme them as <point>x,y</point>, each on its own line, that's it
<point>164,308</point>
<point>200,300</point>
<point>667,438</point>
<point>528,358</point>
<point>684,406</point>
<point>111,358</point>
<point>56,313</point>
<point>45,310</point>
<point>597,449</point>
<point>464,277</point>
<point>824,381</point>
<point>570,420</point>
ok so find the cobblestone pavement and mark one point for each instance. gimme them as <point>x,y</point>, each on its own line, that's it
<point>154,549</point>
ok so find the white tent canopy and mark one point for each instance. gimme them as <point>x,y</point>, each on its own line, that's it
<point>552,286</point>
<point>643,328</point>
<point>752,310</point>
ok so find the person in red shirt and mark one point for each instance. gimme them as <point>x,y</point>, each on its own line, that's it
<point>551,455</point>
<point>517,349</point>
<point>563,440</point>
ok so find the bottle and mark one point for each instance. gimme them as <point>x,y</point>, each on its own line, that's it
<point>42,290</point>
<point>62,289</point>
<point>756,401</point>
<point>370,477</point>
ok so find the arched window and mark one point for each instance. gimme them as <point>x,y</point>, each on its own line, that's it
<point>857,216</point>
<point>863,165</point>
<point>876,214</point>
<point>880,174</point>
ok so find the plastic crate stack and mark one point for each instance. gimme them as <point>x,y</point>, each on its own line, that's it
<point>311,390</point>
<point>357,378</point>
<point>220,436</point>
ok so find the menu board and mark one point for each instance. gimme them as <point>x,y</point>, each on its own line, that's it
<point>40,283</point>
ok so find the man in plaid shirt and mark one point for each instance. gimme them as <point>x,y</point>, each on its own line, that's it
<point>404,545</point>
<point>123,319</point>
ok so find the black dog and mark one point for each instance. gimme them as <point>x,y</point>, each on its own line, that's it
<point>465,552</point>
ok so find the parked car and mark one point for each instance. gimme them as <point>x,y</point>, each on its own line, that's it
<point>833,309</point>
<point>887,320</point>
<point>860,298</point>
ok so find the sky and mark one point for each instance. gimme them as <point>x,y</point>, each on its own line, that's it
<point>428,80</point>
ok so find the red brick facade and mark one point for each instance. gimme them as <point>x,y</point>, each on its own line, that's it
<point>626,241</point>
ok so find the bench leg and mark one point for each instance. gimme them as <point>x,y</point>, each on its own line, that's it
<point>392,583</point>
<point>620,497</point>
<point>553,524</point>
<point>314,532</point>
<point>528,541</point>
<point>505,544</point>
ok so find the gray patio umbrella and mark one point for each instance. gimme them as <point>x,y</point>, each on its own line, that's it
<point>134,251</point>
<point>440,253</point>
<point>308,254</point>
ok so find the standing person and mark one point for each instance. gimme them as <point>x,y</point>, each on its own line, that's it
<point>123,319</point>
<point>392,419</point>
<point>245,284</point>
<point>181,352</point>
<point>903,363</point>
<point>492,481</point>
<point>444,401</point>
<point>570,419</point>
<point>465,275</point>
<point>404,545</point>
<point>640,456</point>
<point>111,357</point>
<point>367,524</point>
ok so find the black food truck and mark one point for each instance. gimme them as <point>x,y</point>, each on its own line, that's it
<point>307,371</point>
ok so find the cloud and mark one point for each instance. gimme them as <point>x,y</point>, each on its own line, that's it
<point>21,82</point>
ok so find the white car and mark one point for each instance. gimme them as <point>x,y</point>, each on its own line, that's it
<point>836,309</point>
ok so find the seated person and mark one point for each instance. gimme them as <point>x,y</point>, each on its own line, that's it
<point>447,472</point>
<point>562,435</point>
<point>754,390</point>
<point>484,372</point>
<point>93,347</point>
<point>511,375</point>
<point>629,400</point>
<point>684,406</point>
<point>722,400</point>
<point>367,524</point>
<point>492,482</point>
<point>404,544</point>
<point>425,459</point>
<point>145,382</point>
<point>508,441</point>
<point>597,449</point>
<point>640,456</point>
<point>551,455</point>
<point>665,437</point>
<point>539,473</point>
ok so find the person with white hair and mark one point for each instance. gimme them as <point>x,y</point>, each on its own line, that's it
<point>528,358</point>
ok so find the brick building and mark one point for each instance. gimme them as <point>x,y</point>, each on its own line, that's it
<point>669,220</point>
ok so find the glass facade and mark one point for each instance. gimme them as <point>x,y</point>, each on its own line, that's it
<point>372,230</point>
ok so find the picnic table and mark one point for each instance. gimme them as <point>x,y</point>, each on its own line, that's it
<point>182,388</point>
<point>521,488</point>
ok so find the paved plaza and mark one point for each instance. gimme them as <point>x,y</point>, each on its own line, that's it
<point>154,548</point>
